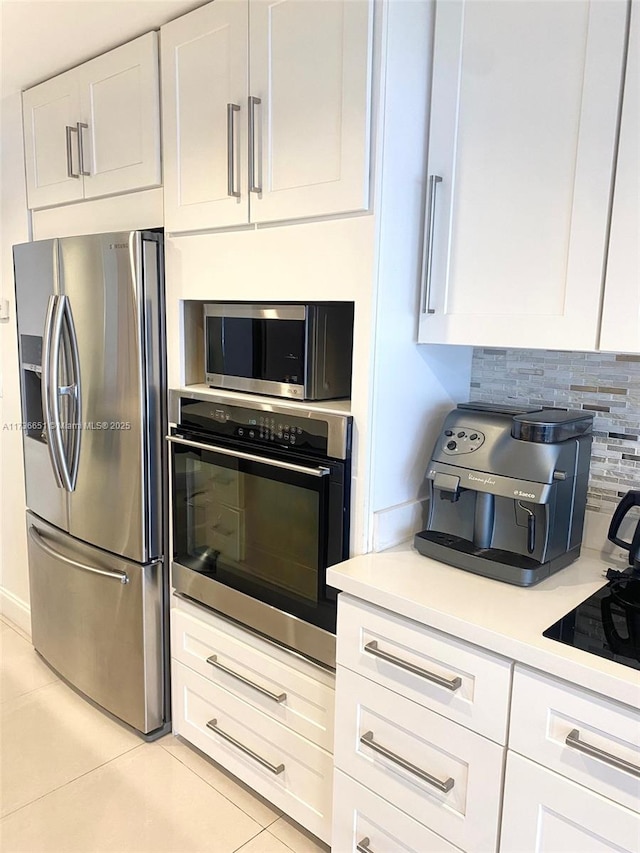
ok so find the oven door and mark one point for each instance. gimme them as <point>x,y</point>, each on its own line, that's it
<point>258,524</point>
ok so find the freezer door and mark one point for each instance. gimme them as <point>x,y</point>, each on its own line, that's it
<point>113,505</point>
<point>97,619</point>
<point>36,279</point>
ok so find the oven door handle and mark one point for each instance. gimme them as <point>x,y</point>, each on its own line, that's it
<point>250,457</point>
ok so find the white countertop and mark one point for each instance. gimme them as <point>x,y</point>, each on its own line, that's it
<point>498,616</point>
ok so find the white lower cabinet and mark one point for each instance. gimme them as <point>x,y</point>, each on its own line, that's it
<point>445,776</point>
<point>585,737</point>
<point>262,712</point>
<point>364,822</point>
<point>546,813</point>
<point>416,773</point>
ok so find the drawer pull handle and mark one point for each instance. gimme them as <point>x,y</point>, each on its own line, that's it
<point>445,787</point>
<point>449,683</point>
<point>573,740</point>
<point>363,846</point>
<point>276,769</point>
<point>276,697</point>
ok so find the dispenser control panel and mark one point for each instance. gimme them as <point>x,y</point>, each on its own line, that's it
<point>461,440</point>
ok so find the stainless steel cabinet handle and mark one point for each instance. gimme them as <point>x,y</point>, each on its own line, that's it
<point>277,697</point>
<point>79,126</point>
<point>238,454</point>
<point>35,537</point>
<point>231,148</point>
<point>450,683</point>
<point>445,787</point>
<point>427,245</point>
<point>573,740</point>
<point>363,846</point>
<point>276,769</point>
<point>253,187</point>
<point>69,130</point>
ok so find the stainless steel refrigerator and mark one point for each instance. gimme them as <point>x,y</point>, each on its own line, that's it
<point>91,349</point>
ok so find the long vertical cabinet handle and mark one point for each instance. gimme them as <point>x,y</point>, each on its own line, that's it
<point>70,173</point>
<point>79,126</point>
<point>253,187</point>
<point>55,426</point>
<point>231,149</point>
<point>427,246</point>
<point>75,390</point>
<point>46,386</point>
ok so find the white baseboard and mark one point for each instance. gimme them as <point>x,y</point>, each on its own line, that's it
<point>398,524</point>
<point>16,610</point>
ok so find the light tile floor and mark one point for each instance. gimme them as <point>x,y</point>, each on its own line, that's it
<point>74,779</point>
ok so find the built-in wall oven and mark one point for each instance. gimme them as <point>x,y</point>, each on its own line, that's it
<point>261,497</point>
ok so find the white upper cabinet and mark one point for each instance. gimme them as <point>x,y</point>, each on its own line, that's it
<point>51,112</point>
<point>266,111</point>
<point>205,79</point>
<point>95,130</point>
<point>522,143</point>
<point>621,315</point>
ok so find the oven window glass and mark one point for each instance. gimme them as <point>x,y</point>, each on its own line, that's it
<point>251,525</point>
<point>270,350</point>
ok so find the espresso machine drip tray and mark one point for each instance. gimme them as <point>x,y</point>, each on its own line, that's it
<point>607,624</point>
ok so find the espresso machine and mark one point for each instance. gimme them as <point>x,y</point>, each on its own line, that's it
<point>508,489</point>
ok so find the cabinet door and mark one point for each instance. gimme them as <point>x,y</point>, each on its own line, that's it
<point>311,70</point>
<point>204,76</point>
<point>621,317</point>
<point>120,105</point>
<point>50,113</point>
<point>544,813</point>
<point>522,135</point>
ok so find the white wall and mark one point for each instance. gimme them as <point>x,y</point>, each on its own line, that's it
<point>14,228</point>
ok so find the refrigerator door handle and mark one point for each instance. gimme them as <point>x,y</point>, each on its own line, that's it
<point>74,390</point>
<point>53,380</point>
<point>46,387</point>
<point>37,539</point>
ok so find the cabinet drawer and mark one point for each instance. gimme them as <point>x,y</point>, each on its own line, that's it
<point>464,683</point>
<point>290,771</point>
<point>363,821</point>
<point>282,685</point>
<point>445,776</point>
<point>546,712</point>
<point>545,813</point>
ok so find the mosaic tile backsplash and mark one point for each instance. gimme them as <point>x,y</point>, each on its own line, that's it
<point>607,384</point>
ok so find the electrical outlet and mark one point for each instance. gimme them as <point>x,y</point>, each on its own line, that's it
<point>4,309</point>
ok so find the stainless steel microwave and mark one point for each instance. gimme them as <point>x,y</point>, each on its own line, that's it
<point>300,351</point>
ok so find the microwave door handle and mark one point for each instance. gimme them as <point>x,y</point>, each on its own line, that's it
<point>321,471</point>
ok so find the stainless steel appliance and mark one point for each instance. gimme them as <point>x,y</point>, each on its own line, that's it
<point>91,352</point>
<point>508,488</point>
<point>607,623</point>
<point>287,350</point>
<point>260,509</point>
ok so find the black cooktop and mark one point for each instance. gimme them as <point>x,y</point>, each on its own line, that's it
<point>607,623</point>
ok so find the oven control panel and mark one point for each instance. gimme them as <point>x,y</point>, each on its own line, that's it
<point>255,426</point>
